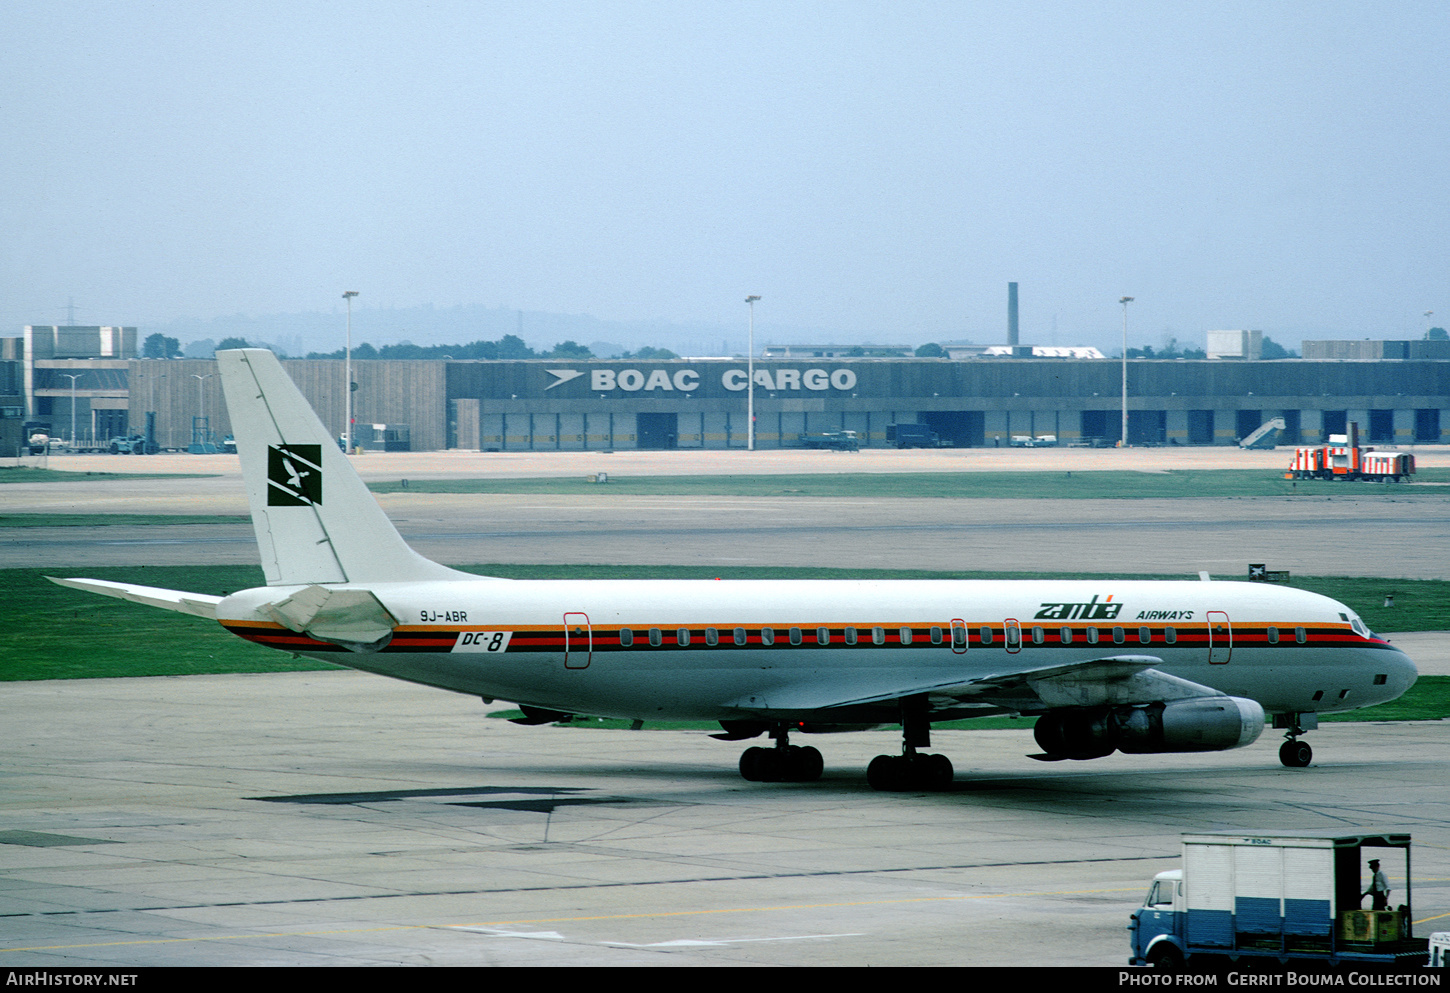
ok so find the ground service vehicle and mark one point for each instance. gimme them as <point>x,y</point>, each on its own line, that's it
<point>840,441</point>
<point>912,436</point>
<point>1285,897</point>
<point>1342,458</point>
<point>132,444</point>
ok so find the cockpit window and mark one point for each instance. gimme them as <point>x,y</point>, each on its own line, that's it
<point>1355,624</point>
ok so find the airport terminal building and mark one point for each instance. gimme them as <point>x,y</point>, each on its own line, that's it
<point>542,404</point>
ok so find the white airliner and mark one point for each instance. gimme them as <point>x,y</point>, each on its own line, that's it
<point>1104,665</point>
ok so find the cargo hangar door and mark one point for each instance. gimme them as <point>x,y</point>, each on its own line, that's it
<point>657,430</point>
<point>957,428</point>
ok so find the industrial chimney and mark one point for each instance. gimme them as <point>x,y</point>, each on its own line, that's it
<point>1011,313</point>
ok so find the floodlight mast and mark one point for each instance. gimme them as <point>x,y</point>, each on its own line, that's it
<point>197,438</point>
<point>1123,438</point>
<point>72,379</point>
<point>750,384</point>
<point>347,373</point>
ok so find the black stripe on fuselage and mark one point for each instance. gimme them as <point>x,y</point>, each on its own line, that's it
<point>1118,639</point>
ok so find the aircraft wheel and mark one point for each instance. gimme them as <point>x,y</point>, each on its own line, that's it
<point>806,764</point>
<point>882,773</point>
<point>899,773</point>
<point>1295,754</point>
<point>939,772</point>
<point>753,762</point>
<point>776,765</point>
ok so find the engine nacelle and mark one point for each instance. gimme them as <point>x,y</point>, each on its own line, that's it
<point>1199,724</point>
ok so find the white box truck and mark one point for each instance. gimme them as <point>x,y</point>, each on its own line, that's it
<point>1285,896</point>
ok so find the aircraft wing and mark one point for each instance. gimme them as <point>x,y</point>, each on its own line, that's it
<point>198,604</point>
<point>1116,679</point>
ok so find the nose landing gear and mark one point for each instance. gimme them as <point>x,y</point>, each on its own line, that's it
<point>1294,753</point>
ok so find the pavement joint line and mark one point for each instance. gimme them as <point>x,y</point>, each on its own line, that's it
<point>589,886</point>
<point>585,919</point>
<point>567,920</point>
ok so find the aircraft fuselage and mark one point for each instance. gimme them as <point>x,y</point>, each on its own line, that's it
<point>728,649</point>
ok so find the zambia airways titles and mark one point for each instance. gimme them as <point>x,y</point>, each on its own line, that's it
<point>1104,610</point>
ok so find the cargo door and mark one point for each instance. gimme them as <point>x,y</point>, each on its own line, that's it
<point>1220,638</point>
<point>578,641</point>
<point>1309,894</point>
<point>1258,896</point>
<point>1208,885</point>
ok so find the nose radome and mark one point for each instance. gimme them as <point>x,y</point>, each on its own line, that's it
<point>1400,675</point>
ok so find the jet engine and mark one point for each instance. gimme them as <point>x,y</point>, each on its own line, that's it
<point>1200,724</point>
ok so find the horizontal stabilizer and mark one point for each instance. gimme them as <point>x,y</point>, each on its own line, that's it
<point>354,619</point>
<point>198,604</point>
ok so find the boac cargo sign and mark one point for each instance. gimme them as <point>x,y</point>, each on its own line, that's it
<point>688,380</point>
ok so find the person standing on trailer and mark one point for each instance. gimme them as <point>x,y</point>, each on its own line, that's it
<point>1379,887</point>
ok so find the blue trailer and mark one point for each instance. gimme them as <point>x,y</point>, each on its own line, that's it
<point>1289,897</point>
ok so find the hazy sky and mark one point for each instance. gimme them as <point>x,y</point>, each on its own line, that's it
<point>883,167</point>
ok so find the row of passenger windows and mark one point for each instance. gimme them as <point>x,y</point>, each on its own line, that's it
<point>797,636</point>
<point>1012,635</point>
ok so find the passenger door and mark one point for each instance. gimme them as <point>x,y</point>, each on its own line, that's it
<point>578,641</point>
<point>1220,638</point>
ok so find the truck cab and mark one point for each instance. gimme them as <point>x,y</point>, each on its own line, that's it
<point>1156,928</point>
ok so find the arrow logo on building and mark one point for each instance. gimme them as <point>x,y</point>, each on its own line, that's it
<point>562,376</point>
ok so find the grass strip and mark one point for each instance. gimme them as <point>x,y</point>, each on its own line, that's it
<point>1075,485</point>
<point>115,520</point>
<point>30,474</point>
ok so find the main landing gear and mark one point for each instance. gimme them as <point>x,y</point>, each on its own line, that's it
<point>785,763</point>
<point>911,770</point>
<point>1294,753</point>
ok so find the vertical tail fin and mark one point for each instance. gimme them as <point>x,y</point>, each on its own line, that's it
<point>316,521</point>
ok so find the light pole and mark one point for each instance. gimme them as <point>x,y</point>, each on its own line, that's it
<point>1124,438</point>
<point>72,406</point>
<point>347,372</point>
<point>750,384</point>
<point>196,435</point>
<point>153,377</point>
